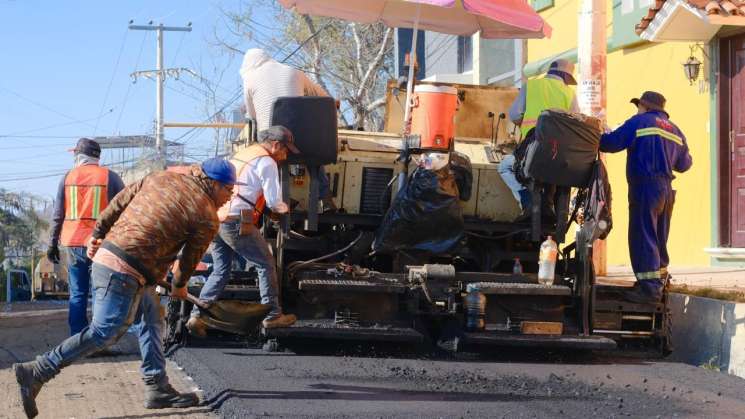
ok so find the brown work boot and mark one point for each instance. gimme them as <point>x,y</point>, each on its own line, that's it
<point>159,394</point>
<point>28,386</point>
<point>197,327</point>
<point>282,320</point>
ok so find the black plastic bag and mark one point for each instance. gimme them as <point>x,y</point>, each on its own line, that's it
<point>424,216</point>
<point>460,165</point>
<point>565,149</point>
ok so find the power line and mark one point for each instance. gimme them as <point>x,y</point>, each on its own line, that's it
<point>129,87</point>
<point>60,173</point>
<point>45,107</point>
<point>111,80</point>
<point>16,134</point>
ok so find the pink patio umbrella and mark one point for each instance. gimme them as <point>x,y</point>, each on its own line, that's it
<point>510,19</point>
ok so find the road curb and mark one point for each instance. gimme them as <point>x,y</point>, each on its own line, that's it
<point>32,313</point>
<point>708,332</point>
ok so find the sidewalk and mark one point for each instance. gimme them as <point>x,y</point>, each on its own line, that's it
<point>721,278</point>
<point>106,387</point>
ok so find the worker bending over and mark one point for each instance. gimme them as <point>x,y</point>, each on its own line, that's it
<point>134,242</point>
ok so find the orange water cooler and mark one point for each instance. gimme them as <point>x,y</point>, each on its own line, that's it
<point>433,116</point>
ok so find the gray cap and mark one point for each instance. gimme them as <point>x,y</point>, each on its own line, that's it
<point>280,134</point>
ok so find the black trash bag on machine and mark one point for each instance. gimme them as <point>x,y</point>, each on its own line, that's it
<point>565,148</point>
<point>425,215</point>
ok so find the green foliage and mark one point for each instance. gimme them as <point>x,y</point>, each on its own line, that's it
<point>20,225</point>
<point>351,61</point>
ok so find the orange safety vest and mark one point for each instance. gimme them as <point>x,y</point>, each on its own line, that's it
<point>240,160</point>
<point>86,196</point>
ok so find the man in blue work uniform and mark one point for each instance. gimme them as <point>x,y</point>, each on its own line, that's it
<point>655,148</point>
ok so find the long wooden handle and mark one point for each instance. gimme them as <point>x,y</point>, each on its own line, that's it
<point>190,298</point>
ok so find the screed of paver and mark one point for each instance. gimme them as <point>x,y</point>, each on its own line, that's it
<point>106,387</point>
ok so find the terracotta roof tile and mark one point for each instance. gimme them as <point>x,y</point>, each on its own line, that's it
<point>712,7</point>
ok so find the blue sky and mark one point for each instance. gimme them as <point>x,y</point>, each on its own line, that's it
<point>65,74</point>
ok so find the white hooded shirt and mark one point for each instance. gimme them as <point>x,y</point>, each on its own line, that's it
<point>265,80</point>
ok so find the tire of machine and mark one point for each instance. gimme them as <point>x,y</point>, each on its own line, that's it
<point>177,313</point>
<point>173,321</point>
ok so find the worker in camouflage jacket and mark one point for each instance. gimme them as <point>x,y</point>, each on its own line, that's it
<point>165,217</point>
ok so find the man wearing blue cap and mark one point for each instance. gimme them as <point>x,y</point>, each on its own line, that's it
<point>164,217</point>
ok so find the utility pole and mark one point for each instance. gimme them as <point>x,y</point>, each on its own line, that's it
<point>160,74</point>
<point>592,84</point>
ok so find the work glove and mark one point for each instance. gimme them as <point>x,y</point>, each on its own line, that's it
<point>53,254</point>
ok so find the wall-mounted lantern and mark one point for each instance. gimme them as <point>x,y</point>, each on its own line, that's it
<point>692,66</point>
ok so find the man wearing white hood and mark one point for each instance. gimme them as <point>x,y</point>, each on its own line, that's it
<point>265,80</point>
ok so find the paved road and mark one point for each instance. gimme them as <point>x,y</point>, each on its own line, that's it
<point>251,383</point>
<point>102,387</point>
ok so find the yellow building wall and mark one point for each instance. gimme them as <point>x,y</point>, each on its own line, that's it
<point>650,66</point>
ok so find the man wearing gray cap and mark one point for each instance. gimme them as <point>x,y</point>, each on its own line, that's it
<point>83,193</point>
<point>550,92</point>
<point>258,172</point>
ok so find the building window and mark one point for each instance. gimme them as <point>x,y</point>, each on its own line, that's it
<point>465,54</point>
<point>541,5</point>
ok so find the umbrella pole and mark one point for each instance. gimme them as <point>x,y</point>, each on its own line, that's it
<point>404,158</point>
<point>410,80</point>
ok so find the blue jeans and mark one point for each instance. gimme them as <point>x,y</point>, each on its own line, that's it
<point>79,280</point>
<point>255,250</point>
<point>324,183</point>
<point>507,172</point>
<point>120,301</point>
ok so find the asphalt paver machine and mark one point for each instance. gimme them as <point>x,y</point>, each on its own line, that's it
<point>345,287</point>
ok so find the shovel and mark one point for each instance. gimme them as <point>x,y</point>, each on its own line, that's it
<point>238,317</point>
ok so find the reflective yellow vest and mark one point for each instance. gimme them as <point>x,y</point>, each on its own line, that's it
<point>542,94</point>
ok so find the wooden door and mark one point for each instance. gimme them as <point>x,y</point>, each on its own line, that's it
<point>736,140</point>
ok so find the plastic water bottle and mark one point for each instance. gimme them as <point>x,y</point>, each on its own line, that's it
<point>475,309</point>
<point>517,268</point>
<point>547,262</point>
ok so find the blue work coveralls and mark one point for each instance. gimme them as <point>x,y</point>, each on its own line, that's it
<point>655,148</point>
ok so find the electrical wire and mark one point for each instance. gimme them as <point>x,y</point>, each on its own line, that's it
<point>111,80</point>
<point>16,134</point>
<point>45,107</point>
<point>129,87</point>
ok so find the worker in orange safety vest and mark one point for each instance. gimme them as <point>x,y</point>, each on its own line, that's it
<point>83,194</point>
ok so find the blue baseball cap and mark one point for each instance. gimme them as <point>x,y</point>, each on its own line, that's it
<point>220,170</point>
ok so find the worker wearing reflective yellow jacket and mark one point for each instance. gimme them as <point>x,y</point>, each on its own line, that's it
<point>655,149</point>
<point>551,92</point>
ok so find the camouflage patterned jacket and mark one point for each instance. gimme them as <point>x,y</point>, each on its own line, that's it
<point>151,221</point>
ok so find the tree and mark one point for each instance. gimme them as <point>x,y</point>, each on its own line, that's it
<point>20,225</point>
<point>351,61</point>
